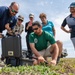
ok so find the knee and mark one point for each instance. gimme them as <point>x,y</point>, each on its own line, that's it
<point>59,43</point>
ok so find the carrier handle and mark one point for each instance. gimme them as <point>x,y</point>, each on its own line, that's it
<point>15,34</point>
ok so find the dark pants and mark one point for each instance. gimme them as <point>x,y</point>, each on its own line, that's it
<point>1,29</point>
<point>28,47</point>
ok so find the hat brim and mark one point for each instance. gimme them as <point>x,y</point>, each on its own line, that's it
<point>20,18</point>
<point>71,6</point>
<point>31,16</point>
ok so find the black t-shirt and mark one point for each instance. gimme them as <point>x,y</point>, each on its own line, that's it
<point>29,29</point>
<point>70,21</point>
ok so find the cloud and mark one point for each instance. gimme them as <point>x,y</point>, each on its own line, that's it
<point>42,3</point>
<point>56,11</point>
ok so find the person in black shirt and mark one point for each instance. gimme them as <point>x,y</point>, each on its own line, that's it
<point>70,21</point>
<point>28,29</point>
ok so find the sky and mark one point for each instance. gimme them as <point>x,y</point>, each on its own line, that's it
<point>56,11</point>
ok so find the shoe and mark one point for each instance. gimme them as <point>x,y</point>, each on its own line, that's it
<point>2,58</point>
<point>64,53</point>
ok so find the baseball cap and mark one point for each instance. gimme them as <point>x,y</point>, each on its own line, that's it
<point>31,15</point>
<point>72,4</point>
<point>21,17</point>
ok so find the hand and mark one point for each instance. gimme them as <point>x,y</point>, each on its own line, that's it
<point>10,32</point>
<point>69,31</point>
<point>30,23</point>
<point>1,35</point>
<point>16,33</point>
<point>41,59</point>
<point>7,27</point>
<point>28,26</point>
<point>53,62</point>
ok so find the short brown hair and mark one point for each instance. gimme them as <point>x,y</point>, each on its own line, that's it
<point>37,23</point>
<point>42,15</point>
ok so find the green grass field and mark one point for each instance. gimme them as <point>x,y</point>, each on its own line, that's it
<point>66,66</point>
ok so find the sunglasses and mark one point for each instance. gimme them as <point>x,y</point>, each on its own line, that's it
<point>35,29</point>
<point>20,20</point>
<point>13,10</point>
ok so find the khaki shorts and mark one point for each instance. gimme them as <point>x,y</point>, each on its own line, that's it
<point>45,52</point>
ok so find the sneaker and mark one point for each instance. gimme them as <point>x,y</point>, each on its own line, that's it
<point>2,58</point>
<point>64,53</point>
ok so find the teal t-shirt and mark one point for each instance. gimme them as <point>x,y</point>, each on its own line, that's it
<point>48,27</point>
<point>42,40</point>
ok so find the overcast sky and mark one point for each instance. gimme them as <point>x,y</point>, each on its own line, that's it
<point>56,11</point>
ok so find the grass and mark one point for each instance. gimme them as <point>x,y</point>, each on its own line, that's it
<point>66,66</point>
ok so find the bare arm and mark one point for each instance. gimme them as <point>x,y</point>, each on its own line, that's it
<point>7,27</point>
<point>37,54</point>
<point>54,31</point>
<point>55,50</point>
<point>34,50</point>
<point>64,29</point>
<point>29,25</point>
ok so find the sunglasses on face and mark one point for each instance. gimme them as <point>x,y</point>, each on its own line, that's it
<point>35,29</point>
<point>13,10</point>
<point>20,20</point>
<point>72,7</point>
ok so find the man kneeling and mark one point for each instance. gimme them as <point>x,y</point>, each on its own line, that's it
<point>39,44</point>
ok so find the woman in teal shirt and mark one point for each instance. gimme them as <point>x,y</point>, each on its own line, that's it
<point>49,27</point>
